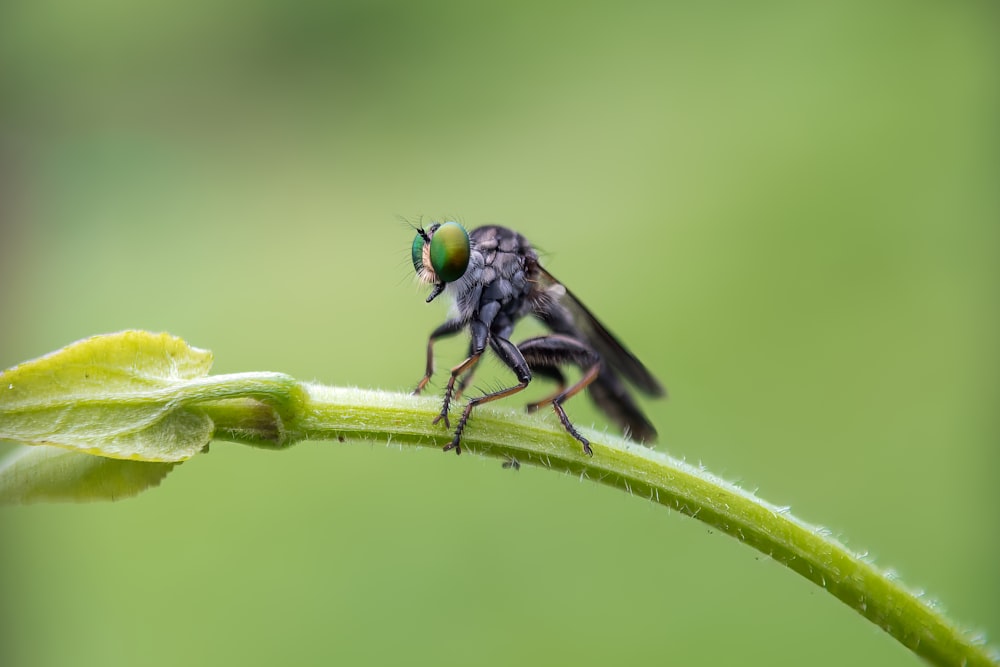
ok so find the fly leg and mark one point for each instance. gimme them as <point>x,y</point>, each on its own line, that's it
<point>449,328</point>
<point>510,355</point>
<point>550,373</point>
<point>463,382</point>
<point>449,392</point>
<point>480,334</point>
<point>544,355</point>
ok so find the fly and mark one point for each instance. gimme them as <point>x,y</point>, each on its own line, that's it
<point>494,278</point>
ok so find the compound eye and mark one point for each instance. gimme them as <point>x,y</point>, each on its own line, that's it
<point>449,251</point>
<point>418,253</point>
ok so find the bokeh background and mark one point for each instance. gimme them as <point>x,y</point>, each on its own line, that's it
<point>788,210</point>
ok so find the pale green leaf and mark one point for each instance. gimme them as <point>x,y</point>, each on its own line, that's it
<point>34,474</point>
<point>117,395</point>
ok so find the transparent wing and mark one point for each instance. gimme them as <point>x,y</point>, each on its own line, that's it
<point>581,323</point>
<point>562,312</point>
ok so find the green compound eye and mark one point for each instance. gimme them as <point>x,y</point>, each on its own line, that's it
<point>449,251</point>
<point>418,253</point>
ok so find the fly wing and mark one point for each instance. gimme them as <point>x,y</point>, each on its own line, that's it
<point>562,312</point>
<point>582,324</point>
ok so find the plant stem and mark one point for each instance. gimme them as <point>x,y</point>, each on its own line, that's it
<point>332,413</point>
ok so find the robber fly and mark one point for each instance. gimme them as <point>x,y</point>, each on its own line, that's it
<point>495,279</point>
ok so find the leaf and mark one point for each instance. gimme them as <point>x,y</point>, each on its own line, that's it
<point>34,474</point>
<point>122,395</point>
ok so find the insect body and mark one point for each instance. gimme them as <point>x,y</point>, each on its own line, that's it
<point>495,279</point>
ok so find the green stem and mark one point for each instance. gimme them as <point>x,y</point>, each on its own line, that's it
<point>328,413</point>
<point>125,408</point>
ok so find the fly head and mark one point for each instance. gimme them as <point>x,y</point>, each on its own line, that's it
<point>440,255</point>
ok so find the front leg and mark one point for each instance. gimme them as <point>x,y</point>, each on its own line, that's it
<point>449,391</point>
<point>465,380</point>
<point>449,328</point>
<point>510,355</point>
<point>480,335</point>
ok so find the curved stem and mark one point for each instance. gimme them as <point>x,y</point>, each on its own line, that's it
<point>334,413</point>
<point>100,401</point>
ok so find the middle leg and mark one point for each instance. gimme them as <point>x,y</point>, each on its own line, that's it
<point>514,360</point>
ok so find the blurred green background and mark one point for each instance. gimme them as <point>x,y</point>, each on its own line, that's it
<point>788,210</point>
